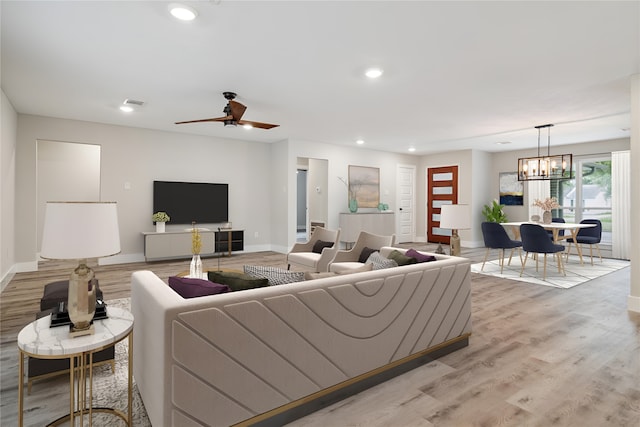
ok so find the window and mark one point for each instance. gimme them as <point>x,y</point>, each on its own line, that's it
<point>588,195</point>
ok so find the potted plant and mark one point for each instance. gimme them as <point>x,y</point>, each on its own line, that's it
<point>160,218</point>
<point>493,212</point>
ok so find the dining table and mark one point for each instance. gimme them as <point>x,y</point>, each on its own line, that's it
<point>554,227</point>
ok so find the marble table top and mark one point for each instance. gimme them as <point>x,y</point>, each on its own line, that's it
<point>40,340</point>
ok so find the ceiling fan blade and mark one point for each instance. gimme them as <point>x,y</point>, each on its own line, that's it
<point>257,124</point>
<point>237,109</point>
<point>217,119</point>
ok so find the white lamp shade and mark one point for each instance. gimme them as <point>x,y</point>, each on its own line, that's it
<point>78,230</point>
<point>455,217</point>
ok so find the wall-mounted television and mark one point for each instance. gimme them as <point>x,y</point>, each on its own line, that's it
<point>186,202</point>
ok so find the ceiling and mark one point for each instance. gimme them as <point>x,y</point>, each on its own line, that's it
<point>457,75</point>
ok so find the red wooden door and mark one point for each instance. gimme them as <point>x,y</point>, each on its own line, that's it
<point>442,189</point>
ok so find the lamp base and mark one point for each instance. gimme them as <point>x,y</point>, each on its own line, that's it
<point>455,243</point>
<point>75,333</point>
<point>81,301</point>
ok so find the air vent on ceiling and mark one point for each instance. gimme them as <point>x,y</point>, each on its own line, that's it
<point>133,102</point>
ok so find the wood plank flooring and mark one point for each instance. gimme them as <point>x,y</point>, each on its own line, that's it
<point>538,356</point>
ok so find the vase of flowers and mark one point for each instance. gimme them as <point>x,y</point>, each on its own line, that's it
<point>160,218</point>
<point>547,205</point>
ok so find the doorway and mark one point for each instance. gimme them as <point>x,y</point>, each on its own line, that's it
<point>312,201</point>
<point>442,189</point>
<point>406,200</point>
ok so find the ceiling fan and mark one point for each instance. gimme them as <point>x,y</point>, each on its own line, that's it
<point>234,111</point>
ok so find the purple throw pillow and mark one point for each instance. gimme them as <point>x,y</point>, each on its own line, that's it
<point>191,288</point>
<point>418,256</point>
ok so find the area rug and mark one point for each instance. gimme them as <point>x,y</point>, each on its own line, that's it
<point>576,272</point>
<point>49,398</point>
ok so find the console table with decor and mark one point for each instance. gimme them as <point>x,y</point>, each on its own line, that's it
<point>38,339</point>
<point>351,224</point>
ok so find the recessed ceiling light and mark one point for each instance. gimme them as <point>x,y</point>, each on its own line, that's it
<point>182,12</point>
<point>373,73</point>
<point>503,142</point>
<point>412,149</point>
<point>360,142</point>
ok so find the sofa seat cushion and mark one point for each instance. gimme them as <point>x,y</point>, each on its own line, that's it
<point>308,259</point>
<point>275,276</point>
<point>237,281</point>
<point>188,287</point>
<point>345,267</point>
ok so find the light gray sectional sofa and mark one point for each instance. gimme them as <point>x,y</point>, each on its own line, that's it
<point>269,355</point>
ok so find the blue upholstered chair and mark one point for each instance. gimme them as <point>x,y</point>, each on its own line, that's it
<point>536,240</point>
<point>496,237</point>
<point>560,232</point>
<point>588,236</point>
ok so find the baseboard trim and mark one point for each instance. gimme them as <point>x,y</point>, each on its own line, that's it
<point>306,405</point>
<point>633,303</point>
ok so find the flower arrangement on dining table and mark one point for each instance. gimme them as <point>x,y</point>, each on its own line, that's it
<point>547,204</point>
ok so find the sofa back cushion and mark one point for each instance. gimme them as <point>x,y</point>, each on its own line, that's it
<point>187,287</point>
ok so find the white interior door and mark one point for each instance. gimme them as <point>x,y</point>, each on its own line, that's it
<point>406,200</point>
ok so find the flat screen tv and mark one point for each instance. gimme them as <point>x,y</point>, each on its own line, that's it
<point>186,202</point>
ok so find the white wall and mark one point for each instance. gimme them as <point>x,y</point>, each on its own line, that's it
<point>8,140</point>
<point>339,158</point>
<point>137,157</point>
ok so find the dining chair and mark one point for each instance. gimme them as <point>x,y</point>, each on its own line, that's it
<point>496,237</point>
<point>560,232</point>
<point>536,240</point>
<point>588,236</point>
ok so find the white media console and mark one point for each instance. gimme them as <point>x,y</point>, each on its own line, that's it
<point>177,244</point>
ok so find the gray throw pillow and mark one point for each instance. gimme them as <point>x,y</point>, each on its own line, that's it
<point>379,262</point>
<point>275,276</point>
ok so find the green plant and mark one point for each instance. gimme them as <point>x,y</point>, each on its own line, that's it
<point>493,212</point>
<point>160,217</point>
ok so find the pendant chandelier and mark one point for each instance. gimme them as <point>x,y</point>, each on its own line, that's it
<point>545,167</point>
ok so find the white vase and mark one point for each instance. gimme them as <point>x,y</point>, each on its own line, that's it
<point>195,269</point>
<point>160,227</point>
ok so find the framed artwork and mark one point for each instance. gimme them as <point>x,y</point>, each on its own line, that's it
<point>511,190</point>
<point>364,186</point>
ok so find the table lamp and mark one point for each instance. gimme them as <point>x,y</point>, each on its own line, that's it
<point>80,230</point>
<point>455,217</point>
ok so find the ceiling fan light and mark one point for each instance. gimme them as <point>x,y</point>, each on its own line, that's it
<point>360,141</point>
<point>126,108</point>
<point>247,126</point>
<point>182,12</point>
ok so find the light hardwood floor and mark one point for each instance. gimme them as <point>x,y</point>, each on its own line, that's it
<point>538,356</point>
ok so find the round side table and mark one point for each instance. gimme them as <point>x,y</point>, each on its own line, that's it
<point>38,339</point>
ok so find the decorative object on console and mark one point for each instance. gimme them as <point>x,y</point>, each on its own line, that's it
<point>80,230</point>
<point>547,205</point>
<point>195,269</point>
<point>455,217</point>
<point>545,167</point>
<point>160,218</point>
